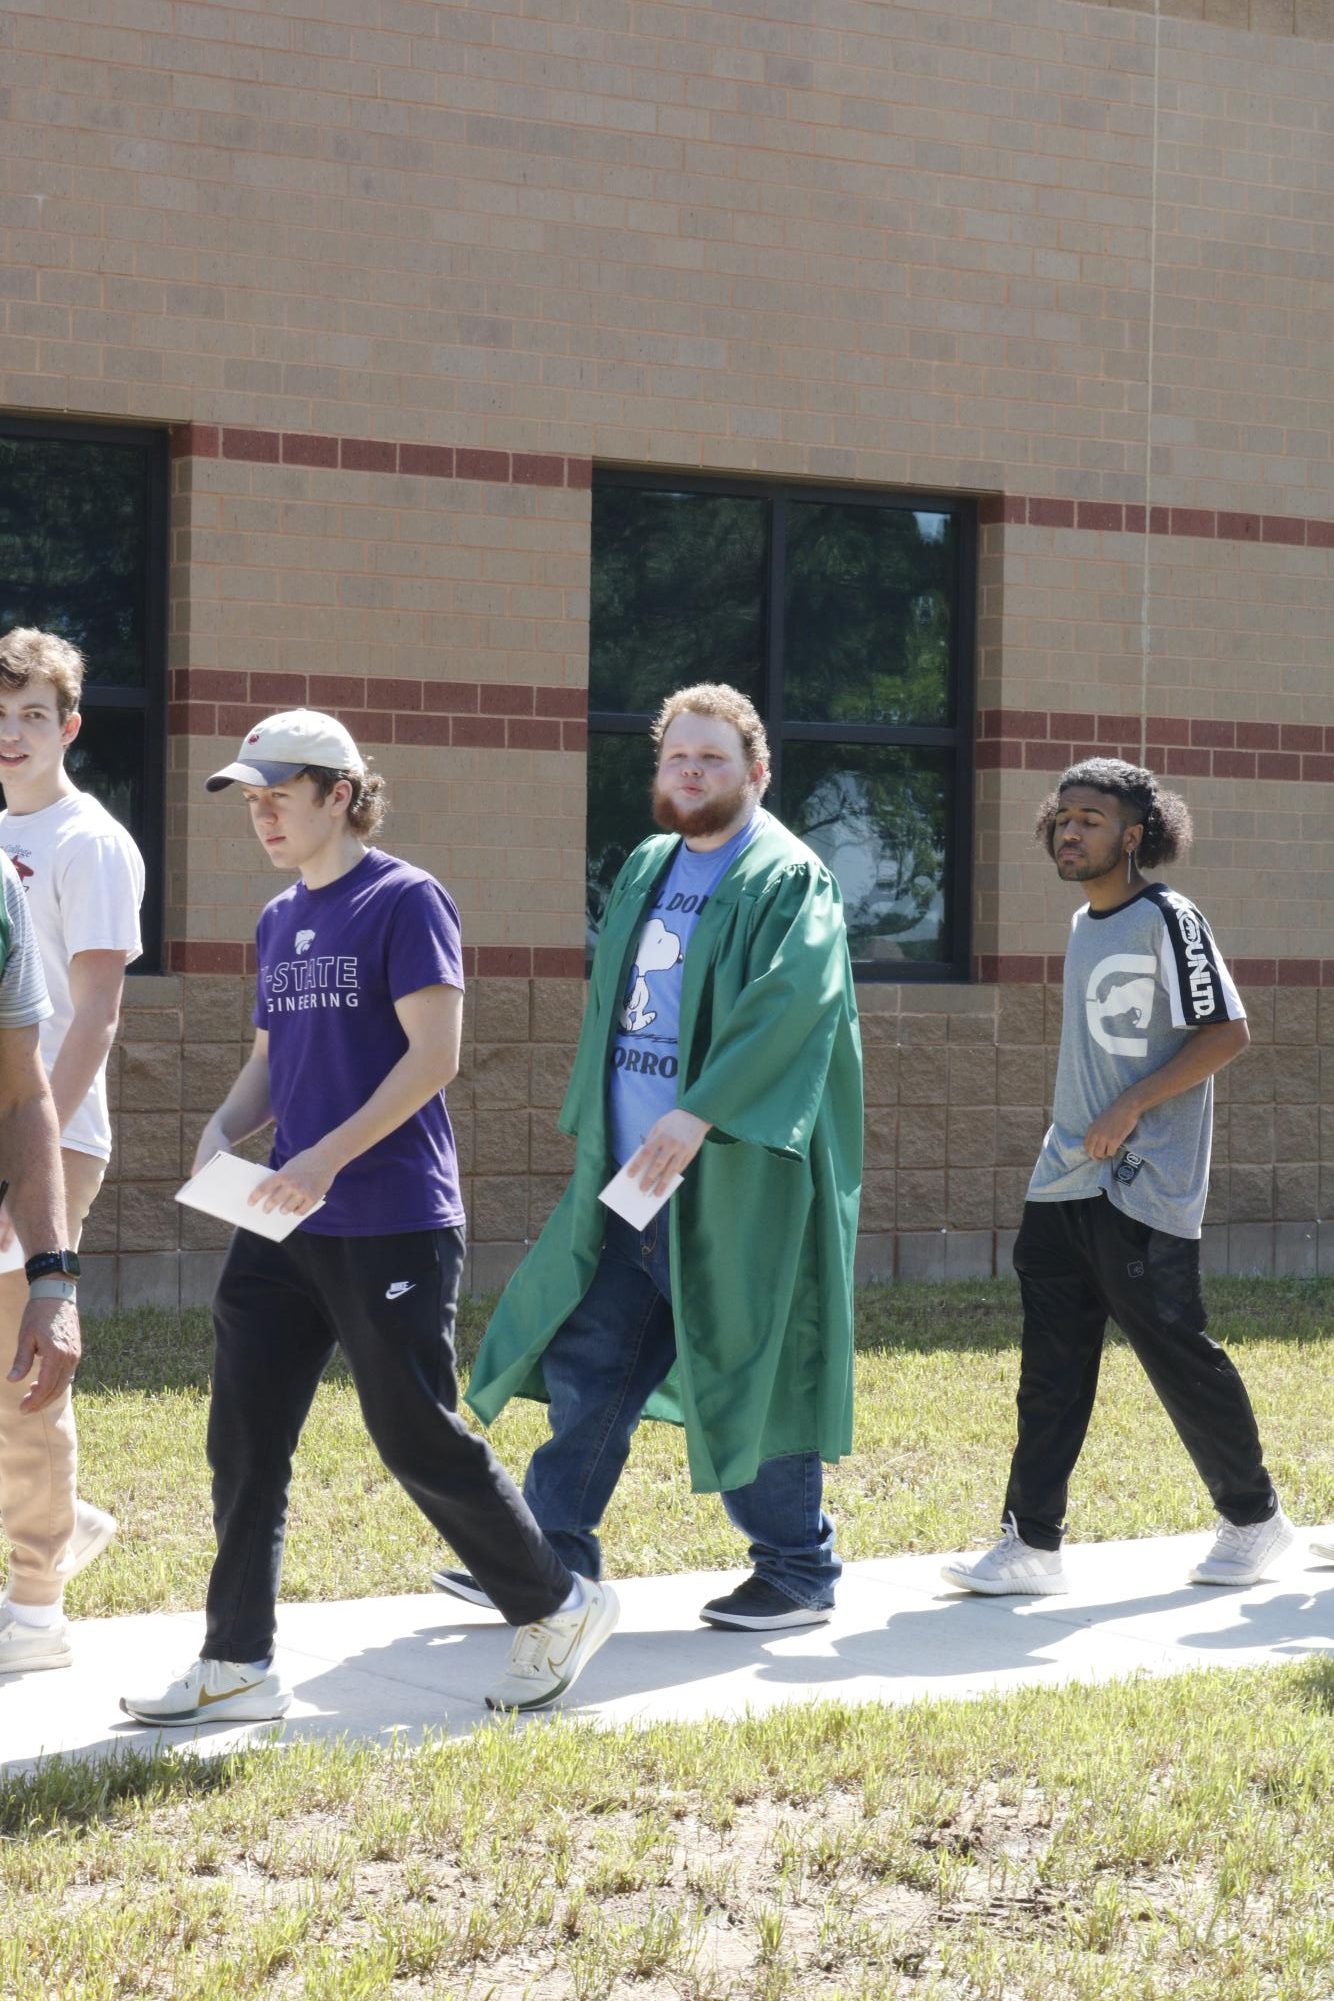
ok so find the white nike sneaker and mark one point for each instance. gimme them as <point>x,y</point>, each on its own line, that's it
<point>1010,1568</point>
<point>548,1656</point>
<point>214,1692</point>
<point>25,1649</point>
<point>1244,1555</point>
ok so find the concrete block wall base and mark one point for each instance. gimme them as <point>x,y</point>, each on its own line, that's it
<point>1249,1250</point>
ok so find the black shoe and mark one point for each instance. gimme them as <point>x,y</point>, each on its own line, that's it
<point>462,1584</point>
<point>761,1607</point>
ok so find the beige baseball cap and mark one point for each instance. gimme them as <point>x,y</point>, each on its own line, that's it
<point>276,749</point>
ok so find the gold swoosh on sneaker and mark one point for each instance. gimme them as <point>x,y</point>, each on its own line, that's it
<point>558,1661</point>
<point>224,1695</point>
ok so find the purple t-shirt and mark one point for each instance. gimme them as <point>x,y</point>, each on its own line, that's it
<point>332,962</point>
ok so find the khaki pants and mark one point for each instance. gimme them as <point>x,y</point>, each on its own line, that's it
<point>39,1460</point>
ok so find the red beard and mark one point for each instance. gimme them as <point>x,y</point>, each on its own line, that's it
<point>709,817</point>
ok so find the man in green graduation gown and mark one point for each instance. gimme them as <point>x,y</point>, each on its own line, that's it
<point>720,1042</point>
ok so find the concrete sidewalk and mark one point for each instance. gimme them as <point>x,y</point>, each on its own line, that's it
<point>381,1668</point>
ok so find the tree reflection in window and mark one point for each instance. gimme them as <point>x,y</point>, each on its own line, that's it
<point>82,553</point>
<point>848,620</point>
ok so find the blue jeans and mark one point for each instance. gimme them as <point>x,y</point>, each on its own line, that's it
<point>601,1368</point>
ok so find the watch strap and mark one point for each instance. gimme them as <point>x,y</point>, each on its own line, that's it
<point>49,1264</point>
<point>54,1288</point>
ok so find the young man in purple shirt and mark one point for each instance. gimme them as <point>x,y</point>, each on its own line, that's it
<point>358,1018</point>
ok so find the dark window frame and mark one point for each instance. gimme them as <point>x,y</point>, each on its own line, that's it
<point>958,738</point>
<point>151,699</point>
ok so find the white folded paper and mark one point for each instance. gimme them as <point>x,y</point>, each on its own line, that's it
<point>628,1199</point>
<point>221,1189</point>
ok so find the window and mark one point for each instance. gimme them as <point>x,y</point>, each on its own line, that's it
<point>83,511</point>
<point>847,618</point>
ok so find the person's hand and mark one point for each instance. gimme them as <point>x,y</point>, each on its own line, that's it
<point>49,1336</point>
<point>669,1147</point>
<point>6,1227</point>
<point>298,1185</point>
<point>1110,1130</point>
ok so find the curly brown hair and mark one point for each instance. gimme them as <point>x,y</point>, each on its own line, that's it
<point>26,652</point>
<point>366,808</point>
<point>726,704</point>
<point>1164,816</point>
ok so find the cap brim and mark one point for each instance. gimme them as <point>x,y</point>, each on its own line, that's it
<point>251,774</point>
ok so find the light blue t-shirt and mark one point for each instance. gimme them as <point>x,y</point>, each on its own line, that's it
<point>641,1085</point>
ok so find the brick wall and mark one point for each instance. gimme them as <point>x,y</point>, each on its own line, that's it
<point>396,285</point>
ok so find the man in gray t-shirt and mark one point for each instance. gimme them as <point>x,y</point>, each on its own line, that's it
<point>1111,1226</point>
<point>1139,980</point>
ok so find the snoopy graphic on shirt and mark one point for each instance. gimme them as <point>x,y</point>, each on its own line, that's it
<point>659,950</point>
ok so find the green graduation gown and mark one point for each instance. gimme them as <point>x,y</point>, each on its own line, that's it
<point>765,1223</point>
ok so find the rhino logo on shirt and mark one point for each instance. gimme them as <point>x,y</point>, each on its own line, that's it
<point>304,941</point>
<point>659,950</point>
<point>1121,1000</point>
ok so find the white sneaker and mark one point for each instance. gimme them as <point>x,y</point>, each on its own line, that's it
<point>93,1530</point>
<point>548,1657</point>
<point>1010,1567</point>
<point>25,1649</point>
<point>1323,1552</point>
<point>213,1692</point>
<point>1244,1555</point>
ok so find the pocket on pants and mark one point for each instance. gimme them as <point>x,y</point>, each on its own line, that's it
<point>1163,1271</point>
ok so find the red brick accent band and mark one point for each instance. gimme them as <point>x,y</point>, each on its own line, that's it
<point>1116,517</point>
<point>519,962</point>
<point>566,962</point>
<point>1034,969</point>
<point>209,955</point>
<point>501,715</point>
<point>1178,746</point>
<point>302,448</point>
<point>1035,510</point>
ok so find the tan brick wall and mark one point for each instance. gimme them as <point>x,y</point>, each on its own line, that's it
<point>1072,251</point>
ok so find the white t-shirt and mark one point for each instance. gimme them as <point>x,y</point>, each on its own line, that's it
<point>85,881</point>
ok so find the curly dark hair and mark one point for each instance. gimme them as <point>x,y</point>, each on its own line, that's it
<point>366,807</point>
<point>1164,816</point>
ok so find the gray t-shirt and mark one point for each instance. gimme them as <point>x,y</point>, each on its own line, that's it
<point>1137,981</point>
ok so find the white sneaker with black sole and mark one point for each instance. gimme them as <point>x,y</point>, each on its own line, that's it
<point>548,1657</point>
<point>757,1606</point>
<point>1247,1554</point>
<point>1011,1568</point>
<point>213,1692</point>
<point>462,1584</point>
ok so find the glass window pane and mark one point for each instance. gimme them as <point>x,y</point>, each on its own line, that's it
<point>877,815</point>
<point>677,595</point>
<point>620,775</point>
<point>867,609</point>
<point>73,549</point>
<point>108,760</point>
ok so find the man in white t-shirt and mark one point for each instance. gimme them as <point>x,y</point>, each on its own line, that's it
<point>84,880</point>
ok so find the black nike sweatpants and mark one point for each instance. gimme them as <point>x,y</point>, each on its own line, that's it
<point>1081,1264</point>
<point>389,1303</point>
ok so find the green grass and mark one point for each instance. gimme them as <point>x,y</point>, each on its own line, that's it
<point>1145,1841</point>
<point>936,1376</point>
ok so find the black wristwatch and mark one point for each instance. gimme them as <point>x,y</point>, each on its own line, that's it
<point>52,1264</point>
